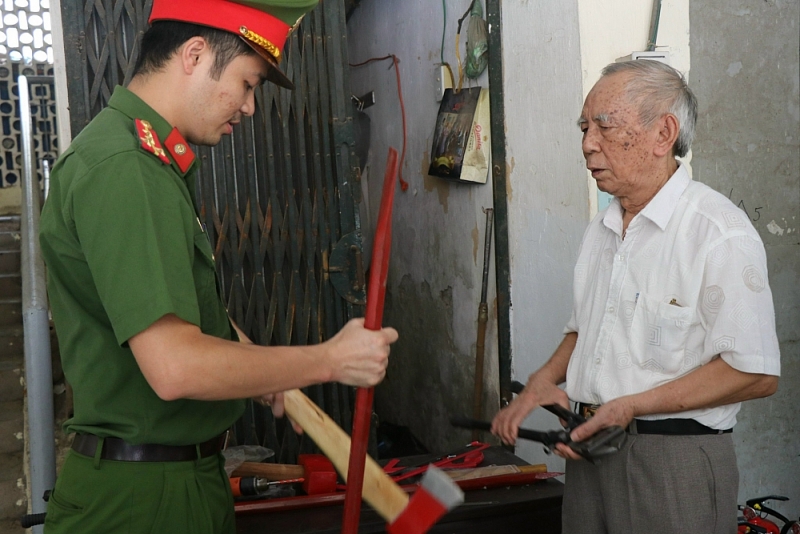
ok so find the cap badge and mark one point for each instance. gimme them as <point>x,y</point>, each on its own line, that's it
<point>253,37</point>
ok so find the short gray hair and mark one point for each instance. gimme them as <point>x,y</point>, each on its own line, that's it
<point>658,89</point>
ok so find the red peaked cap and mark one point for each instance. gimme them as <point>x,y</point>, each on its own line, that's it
<point>265,33</point>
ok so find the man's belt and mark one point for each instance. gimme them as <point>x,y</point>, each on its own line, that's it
<point>119,450</point>
<point>666,427</point>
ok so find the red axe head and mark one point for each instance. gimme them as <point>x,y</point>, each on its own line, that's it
<point>436,495</point>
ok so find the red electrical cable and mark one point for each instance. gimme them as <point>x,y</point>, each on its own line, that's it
<point>395,61</point>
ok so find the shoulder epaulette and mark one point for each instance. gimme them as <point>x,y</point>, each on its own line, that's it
<point>150,141</point>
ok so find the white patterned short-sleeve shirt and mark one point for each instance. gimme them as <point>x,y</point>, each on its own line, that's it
<point>688,283</point>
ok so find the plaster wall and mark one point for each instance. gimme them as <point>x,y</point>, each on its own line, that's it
<point>436,266</point>
<point>745,72</point>
<point>548,199</point>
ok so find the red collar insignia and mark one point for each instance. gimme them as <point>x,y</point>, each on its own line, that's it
<point>180,150</point>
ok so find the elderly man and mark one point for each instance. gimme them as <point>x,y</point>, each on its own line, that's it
<point>672,325</point>
<point>145,338</point>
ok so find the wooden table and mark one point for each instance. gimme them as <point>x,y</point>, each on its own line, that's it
<point>535,509</point>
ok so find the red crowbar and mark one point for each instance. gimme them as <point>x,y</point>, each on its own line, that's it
<point>472,457</point>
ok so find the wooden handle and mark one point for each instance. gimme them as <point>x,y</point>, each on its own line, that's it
<point>269,471</point>
<point>380,491</point>
<point>535,468</point>
<point>493,471</point>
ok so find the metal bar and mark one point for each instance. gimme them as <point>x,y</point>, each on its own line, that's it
<point>654,20</point>
<point>45,179</point>
<point>483,319</point>
<point>499,179</point>
<point>36,323</point>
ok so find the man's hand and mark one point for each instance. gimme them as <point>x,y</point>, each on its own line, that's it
<point>618,412</point>
<point>359,356</point>
<point>542,388</point>
<point>537,392</point>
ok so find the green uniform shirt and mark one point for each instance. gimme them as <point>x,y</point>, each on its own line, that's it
<point>124,247</point>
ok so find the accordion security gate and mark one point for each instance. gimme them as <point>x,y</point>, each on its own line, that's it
<point>277,197</point>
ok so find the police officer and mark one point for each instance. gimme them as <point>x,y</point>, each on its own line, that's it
<point>145,340</point>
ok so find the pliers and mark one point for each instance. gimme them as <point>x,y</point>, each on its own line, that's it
<point>606,441</point>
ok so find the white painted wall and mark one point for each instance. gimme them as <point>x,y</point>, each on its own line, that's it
<point>60,72</point>
<point>548,200</point>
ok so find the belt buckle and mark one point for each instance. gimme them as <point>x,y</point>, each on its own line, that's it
<point>588,410</point>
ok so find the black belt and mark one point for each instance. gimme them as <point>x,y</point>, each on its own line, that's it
<point>119,450</point>
<point>667,427</point>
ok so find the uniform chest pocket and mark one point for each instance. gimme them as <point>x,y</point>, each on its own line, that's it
<point>658,336</point>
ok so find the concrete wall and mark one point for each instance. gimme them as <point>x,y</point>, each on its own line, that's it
<point>548,198</point>
<point>438,233</point>
<point>745,72</point>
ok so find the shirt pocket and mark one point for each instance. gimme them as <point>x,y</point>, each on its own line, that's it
<point>658,335</point>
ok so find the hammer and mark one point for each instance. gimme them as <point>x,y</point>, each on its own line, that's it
<point>315,471</point>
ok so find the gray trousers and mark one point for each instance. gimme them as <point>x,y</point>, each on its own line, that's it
<point>655,485</point>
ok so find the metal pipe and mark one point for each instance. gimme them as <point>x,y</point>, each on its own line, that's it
<point>36,323</point>
<point>654,20</point>
<point>483,319</point>
<point>45,179</point>
<point>502,256</point>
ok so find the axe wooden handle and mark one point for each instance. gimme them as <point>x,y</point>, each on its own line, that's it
<point>380,491</point>
<point>269,471</point>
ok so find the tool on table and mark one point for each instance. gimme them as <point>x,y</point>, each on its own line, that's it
<point>470,456</point>
<point>376,290</point>
<point>250,486</point>
<point>527,475</point>
<point>269,471</point>
<point>483,318</point>
<point>315,471</point>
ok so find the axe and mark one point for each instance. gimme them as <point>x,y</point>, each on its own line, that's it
<point>436,495</point>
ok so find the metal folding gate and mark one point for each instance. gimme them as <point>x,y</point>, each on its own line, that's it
<point>278,196</point>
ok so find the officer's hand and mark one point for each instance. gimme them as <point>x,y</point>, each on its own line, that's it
<point>275,401</point>
<point>359,356</point>
<point>537,392</point>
